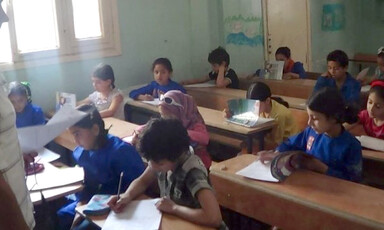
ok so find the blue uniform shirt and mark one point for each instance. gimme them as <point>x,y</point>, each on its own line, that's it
<point>102,167</point>
<point>350,89</point>
<point>30,116</point>
<point>298,68</point>
<point>155,89</point>
<point>341,154</point>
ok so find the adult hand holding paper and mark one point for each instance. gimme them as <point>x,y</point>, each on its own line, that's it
<point>33,138</point>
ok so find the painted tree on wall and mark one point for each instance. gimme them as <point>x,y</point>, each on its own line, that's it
<point>244,31</point>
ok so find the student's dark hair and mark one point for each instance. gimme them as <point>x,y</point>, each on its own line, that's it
<point>164,62</point>
<point>104,72</point>
<point>377,88</point>
<point>381,55</point>
<point>284,51</point>
<point>218,55</point>
<point>330,102</point>
<point>20,89</point>
<point>163,139</point>
<point>338,56</point>
<point>261,91</point>
<point>92,118</point>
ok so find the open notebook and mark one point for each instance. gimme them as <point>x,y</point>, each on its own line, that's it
<point>245,112</point>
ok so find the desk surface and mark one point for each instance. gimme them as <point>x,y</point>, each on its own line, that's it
<point>117,127</point>
<point>216,98</point>
<point>305,200</point>
<point>167,221</point>
<point>213,118</point>
<point>373,155</point>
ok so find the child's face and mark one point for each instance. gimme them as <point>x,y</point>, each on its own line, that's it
<point>216,67</point>
<point>161,74</point>
<point>281,57</point>
<point>375,106</point>
<point>100,85</point>
<point>319,122</point>
<point>162,166</point>
<point>380,63</point>
<point>263,106</point>
<point>336,71</point>
<point>85,138</point>
<point>19,102</point>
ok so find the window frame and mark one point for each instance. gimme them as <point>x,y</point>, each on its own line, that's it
<point>70,48</point>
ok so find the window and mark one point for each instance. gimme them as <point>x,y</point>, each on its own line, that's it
<point>49,31</point>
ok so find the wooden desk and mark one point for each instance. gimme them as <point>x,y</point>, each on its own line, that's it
<point>216,123</point>
<point>118,128</point>
<point>305,200</point>
<point>54,193</point>
<point>216,98</point>
<point>167,221</point>
<point>298,88</point>
<point>364,58</point>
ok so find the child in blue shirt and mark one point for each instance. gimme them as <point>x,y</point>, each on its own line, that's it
<point>223,76</point>
<point>162,70</point>
<point>335,151</point>
<point>103,158</point>
<point>338,77</point>
<point>27,114</point>
<point>292,69</point>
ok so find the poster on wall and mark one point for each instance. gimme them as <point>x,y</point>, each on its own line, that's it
<point>333,17</point>
<point>244,31</point>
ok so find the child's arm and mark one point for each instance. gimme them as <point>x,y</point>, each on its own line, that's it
<point>144,93</point>
<point>136,188</point>
<point>85,101</point>
<point>208,215</point>
<point>221,80</point>
<point>116,101</point>
<point>195,80</point>
<point>289,76</point>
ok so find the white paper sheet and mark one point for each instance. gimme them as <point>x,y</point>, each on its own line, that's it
<point>46,156</point>
<point>155,101</point>
<point>365,88</point>
<point>52,177</point>
<point>201,85</point>
<point>138,215</point>
<point>371,143</point>
<point>128,139</point>
<point>258,171</point>
<point>33,138</point>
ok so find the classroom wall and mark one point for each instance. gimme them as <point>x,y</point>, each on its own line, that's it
<point>371,32</point>
<point>325,41</point>
<point>183,31</point>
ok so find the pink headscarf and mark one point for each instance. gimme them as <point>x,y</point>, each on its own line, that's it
<point>188,114</point>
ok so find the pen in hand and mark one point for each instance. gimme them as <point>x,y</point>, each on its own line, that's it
<point>119,187</point>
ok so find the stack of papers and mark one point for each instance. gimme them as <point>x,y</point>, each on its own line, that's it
<point>371,143</point>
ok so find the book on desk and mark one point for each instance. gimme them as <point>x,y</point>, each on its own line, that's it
<point>245,112</point>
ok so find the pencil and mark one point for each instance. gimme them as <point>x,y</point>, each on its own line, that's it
<point>119,188</point>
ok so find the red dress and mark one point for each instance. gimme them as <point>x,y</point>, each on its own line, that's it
<point>369,125</point>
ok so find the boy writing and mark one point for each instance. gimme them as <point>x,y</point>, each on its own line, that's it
<point>221,73</point>
<point>182,177</point>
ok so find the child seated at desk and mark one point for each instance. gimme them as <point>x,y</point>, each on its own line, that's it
<point>292,69</point>
<point>379,71</point>
<point>107,99</point>
<point>336,152</point>
<point>162,71</point>
<point>223,76</point>
<point>372,118</point>
<point>27,114</point>
<point>103,158</point>
<point>177,105</point>
<point>276,108</point>
<point>337,77</point>
<point>182,177</point>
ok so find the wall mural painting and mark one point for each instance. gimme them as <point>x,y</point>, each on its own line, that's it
<point>244,31</point>
<point>333,17</point>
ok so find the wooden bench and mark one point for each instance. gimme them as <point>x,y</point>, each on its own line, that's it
<point>361,58</point>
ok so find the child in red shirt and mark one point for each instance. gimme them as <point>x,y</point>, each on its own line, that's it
<point>372,118</point>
